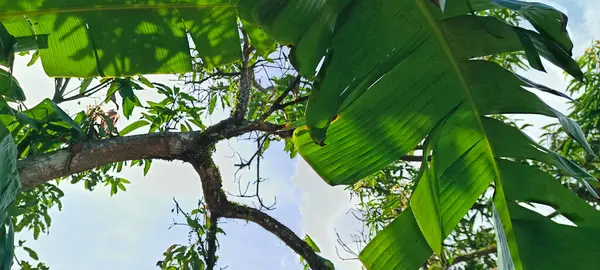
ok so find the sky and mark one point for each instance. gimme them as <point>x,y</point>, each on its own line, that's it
<point>131,230</point>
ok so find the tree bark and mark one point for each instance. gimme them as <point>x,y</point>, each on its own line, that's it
<point>77,158</point>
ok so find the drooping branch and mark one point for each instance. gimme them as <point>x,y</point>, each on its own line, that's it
<point>272,225</point>
<point>219,206</point>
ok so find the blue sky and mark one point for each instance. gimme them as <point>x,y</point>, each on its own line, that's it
<point>130,230</point>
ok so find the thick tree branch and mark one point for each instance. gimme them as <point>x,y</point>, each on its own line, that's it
<point>36,170</point>
<point>39,169</point>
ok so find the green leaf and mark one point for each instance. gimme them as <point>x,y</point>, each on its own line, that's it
<point>31,253</point>
<point>47,112</point>
<point>133,126</point>
<point>535,240</point>
<point>151,36</point>
<point>130,100</point>
<point>545,19</point>
<point>10,185</point>
<point>263,44</point>
<point>311,243</point>
<point>9,87</point>
<point>34,58</point>
<point>307,24</point>
<point>384,123</point>
<point>147,165</point>
<point>145,81</point>
<point>7,250</point>
<point>414,73</point>
<point>85,83</point>
<point>400,245</point>
<point>215,34</point>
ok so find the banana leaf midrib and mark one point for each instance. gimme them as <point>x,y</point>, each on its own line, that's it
<point>434,239</point>
<point>423,6</point>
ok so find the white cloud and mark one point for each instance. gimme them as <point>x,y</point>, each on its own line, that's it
<point>324,209</point>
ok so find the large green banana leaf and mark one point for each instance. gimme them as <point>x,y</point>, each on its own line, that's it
<point>121,38</point>
<point>413,77</point>
<point>9,187</point>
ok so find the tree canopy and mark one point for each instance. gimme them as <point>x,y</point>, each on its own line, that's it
<point>373,82</point>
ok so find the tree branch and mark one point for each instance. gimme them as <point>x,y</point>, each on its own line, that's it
<point>36,170</point>
<point>474,255</point>
<point>219,73</point>
<point>219,206</point>
<point>211,238</point>
<point>272,225</point>
<point>60,85</point>
<point>277,103</point>
<point>293,102</point>
<point>39,169</point>
<point>86,93</point>
<point>246,75</point>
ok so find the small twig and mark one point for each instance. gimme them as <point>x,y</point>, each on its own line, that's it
<point>474,255</point>
<point>346,248</point>
<point>258,179</point>
<point>88,92</point>
<point>293,102</point>
<point>219,73</point>
<point>257,85</point>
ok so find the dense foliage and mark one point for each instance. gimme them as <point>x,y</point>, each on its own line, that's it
<point>406,102</point>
